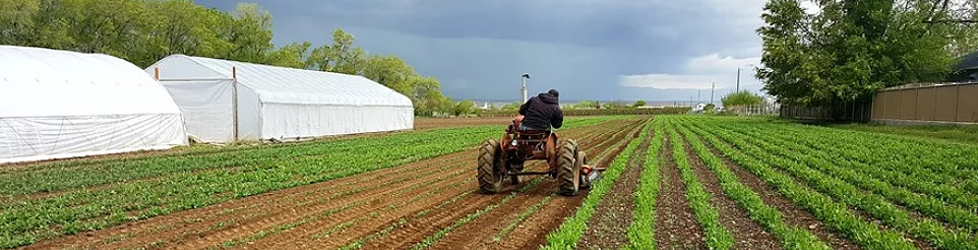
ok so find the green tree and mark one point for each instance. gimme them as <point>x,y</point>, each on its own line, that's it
<point>341,56</point>
<point>17,22</point>
<point>250,33</point>
<point>464,107</point>
<point>741,98</point>
<point>513,106</point>
<point>852,48</point>
<point>586,104</point>
<point>638,103</point>
<point>293,55</point>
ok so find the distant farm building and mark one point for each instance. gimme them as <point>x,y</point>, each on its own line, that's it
<point>226,101</point>
<point>61,104</point>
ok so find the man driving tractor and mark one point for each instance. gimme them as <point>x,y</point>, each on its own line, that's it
<point>542,112</point>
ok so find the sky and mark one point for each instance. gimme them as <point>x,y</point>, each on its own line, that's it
<point>655,50</point>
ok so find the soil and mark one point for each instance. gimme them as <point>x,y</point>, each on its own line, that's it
<point>747,233</point>
<point>390,208</point>
<point>793,215</point>
<point>675,224</point>
<point>607,228</point>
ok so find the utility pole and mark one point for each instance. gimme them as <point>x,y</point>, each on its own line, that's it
<point>523,90</point>
<point>698,92</point>
<point>738,79</point>
<point>711,91</point>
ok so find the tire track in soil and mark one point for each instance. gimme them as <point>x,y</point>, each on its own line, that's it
<point>676,226</point>
<point>793,214</point>
<point>606,230</point>
<point>417,229</point>
<point>478,234</point>
<point>363,230</point>
<point>747,233</point>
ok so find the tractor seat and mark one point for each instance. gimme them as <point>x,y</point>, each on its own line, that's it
<point>533,134</point>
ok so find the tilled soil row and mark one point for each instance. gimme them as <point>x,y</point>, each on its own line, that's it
<point>418,228</point>
<point>480,233</point>
<point>265,214</point>
<point>364,231</point>
<point>607,229</point>
<point>675,224</point>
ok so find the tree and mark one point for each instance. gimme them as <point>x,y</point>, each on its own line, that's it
<point>464,107</point>
<point>586,104</point>
<point>513,106</point>
<point>16,20</point>
<point>852,48</point>
<point>741,98</point>
<point>250,33</point>
<point>292,55</point>
<point>341,56</point>
<point>638,103</point>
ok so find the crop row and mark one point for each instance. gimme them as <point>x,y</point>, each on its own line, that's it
<point>608,147</point>
<point>570,232</point>
<point>881,165</point>
<point>641,232</point>
<point>867,177</point>
<point>796,162</point>
<point>717,236</point>
<point>836,215</point>
<point>770,218</point>
<point>26,221</point>
<point>771,156</point>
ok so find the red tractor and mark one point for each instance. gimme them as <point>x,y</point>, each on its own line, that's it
<point>505,159</point>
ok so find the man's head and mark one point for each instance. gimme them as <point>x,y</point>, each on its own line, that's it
<point>554,92</point>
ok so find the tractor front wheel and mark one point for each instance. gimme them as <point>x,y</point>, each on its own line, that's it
<point>490,176</point>
<point>568,171</point>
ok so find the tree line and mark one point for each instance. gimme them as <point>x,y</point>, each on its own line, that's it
<point>143,32</point>
<point>846,50</point>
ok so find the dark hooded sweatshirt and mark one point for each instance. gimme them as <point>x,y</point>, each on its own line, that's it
<point>541,112</point>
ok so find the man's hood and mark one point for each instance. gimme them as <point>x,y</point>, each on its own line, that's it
<point>548,98</point>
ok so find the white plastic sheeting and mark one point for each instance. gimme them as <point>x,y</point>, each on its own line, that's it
<point>59,104</point>
<point>277,102</point>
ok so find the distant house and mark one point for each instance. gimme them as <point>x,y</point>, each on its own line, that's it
<point>966,70</point>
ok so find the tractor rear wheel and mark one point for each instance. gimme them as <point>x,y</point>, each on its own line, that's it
<point>568,171</point>
<point>490,176</point>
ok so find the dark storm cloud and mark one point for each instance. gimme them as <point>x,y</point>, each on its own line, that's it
<point>478,48</point>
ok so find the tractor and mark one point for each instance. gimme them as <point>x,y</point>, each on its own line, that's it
<point>505,160</point>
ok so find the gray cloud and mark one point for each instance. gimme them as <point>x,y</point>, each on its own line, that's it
<point>478,48</point>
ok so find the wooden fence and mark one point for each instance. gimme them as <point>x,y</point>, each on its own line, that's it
<point>943,103</point>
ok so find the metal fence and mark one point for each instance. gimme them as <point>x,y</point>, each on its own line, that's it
<point>847,111</point>
<point>754,110</point>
